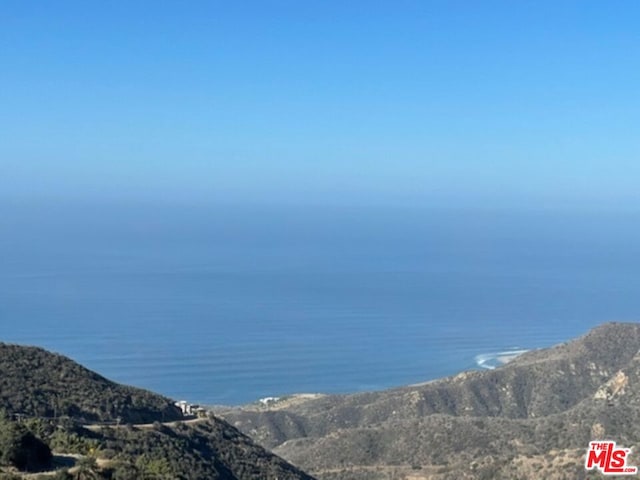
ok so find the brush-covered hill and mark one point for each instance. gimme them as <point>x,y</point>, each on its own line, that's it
<point>38,383</point>
<point>63,405</point>
<point>201,449</point>
<point>530,419</point>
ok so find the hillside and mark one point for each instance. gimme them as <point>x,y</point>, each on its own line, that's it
<point>39,383</point>
<point>203,449</point>
<point>63,405</point>
<point>532,418</point>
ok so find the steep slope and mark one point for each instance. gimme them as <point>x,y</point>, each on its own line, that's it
<point>64,404</point>
<point>202,449</point>
<point>39,383</point>
<point>543,406</point>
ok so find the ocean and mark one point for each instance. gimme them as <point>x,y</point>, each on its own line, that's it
<point>229,304</point>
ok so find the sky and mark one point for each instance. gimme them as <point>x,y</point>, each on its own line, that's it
<point>359,102</point>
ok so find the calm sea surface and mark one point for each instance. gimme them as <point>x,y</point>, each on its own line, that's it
<point>229,305</point>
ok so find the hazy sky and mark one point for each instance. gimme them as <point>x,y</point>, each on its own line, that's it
<point>417,102</point>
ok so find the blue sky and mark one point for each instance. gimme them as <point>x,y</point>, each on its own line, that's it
<point>397,102</point>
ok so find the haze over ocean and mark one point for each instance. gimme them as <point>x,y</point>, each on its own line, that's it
<point>227,305</point>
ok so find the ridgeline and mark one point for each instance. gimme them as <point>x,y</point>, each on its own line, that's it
<point>530,419</point>
<point>54,416</point>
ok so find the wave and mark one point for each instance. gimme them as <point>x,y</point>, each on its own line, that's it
<point>492,360</point>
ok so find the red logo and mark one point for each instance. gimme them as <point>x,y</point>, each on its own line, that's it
<point>610,460</point>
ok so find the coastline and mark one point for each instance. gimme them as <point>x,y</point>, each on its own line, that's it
<point>274,403</point>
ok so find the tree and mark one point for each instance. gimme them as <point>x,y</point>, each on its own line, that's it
<point>86,469</point>
<point>22,449</point>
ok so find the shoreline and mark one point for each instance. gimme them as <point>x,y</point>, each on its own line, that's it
<point>274,403</point>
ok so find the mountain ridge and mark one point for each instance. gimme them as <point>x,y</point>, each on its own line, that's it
<point>39,383</point>
<point>65,405</point>
<point>553,399</point>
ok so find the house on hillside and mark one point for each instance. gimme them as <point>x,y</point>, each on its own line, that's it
<point>190,409</point>
<point>185,407</point>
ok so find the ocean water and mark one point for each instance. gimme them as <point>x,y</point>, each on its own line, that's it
<point>227,305</point>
